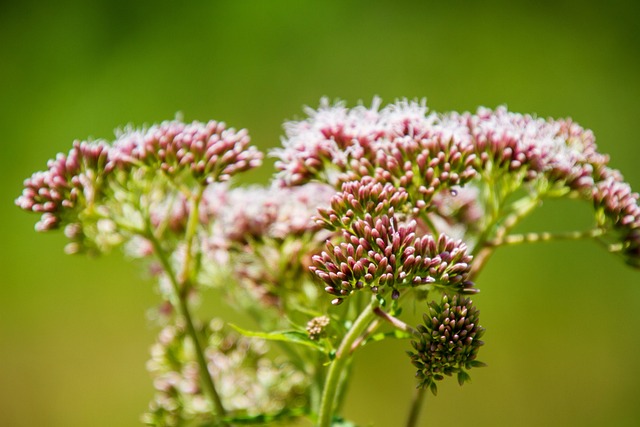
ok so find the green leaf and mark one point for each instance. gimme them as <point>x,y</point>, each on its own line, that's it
<point>291,336</point>
<point>477,364</point>
<point>434,388</point>
<point>463,377</point>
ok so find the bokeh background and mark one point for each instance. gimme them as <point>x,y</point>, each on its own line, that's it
<point>562,319</point>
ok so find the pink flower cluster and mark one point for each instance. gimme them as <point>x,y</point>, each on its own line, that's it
<point>405,146</point>
<point>401,143</point>
<point>208,151</point>
<point>69,180</point>
<point>378,252</point>
<point>618,206</point>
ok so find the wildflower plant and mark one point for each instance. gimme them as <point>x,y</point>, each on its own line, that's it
<point>370,210</point>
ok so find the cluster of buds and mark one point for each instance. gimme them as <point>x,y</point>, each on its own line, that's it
<point>617,209</point>
<point>71,183</point>
<point>422,152</point>
<point>95,183</point>
<point>359,198</point>
<point>449,341</point>
<point>317,327</point>
<point>382,254</point>
<point>575,162</point>
<point>249,382</point>
<point>209,151</point>
<point>398,144</point>
<point>522,145</point>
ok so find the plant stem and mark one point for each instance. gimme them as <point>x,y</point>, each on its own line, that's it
<point>397,323</point>
<point>515,239</point>
<point>181,304</point>
<point>192,228</point>
<point>416,405</point>
<point>343,354</point>
<point>483,251</point>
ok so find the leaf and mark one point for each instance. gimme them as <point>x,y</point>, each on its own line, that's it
<point>291,336</point>
<point>463,377</point>
<point>477,364</point>
<point>434,388</point>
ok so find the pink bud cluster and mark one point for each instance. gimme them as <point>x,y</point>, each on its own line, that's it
<point>360,197</point>
<point>619,206</point>
<point>210,151</point>
<point>398,144</point>
<point>424,153</point>
<point>70,180</point>
<point>380,253</point>
<point>560,150</point>
<point>577,162</point>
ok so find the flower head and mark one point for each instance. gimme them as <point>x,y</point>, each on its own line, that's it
<point>317,327</point>
<point>209,151</point>
<point>70,183</point>
<point>358,198</point>
<point>617,210</point>
<point>449,341</point>
<point>379,252</point>
<point>399,144</point>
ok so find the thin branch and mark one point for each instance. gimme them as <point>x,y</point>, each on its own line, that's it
<point>515,239</point>
<point>397,323</point>
<point>416,406</point>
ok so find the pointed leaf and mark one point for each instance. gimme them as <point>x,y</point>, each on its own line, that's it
<point>463,377</point>
<point>291,336</point>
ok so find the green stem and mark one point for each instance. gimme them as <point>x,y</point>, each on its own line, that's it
<point>192,228</point>
<point>416,405</point>
<point>181,304</point>
<point>337,366</point>
<point>397,323</point>
<point>483,250</point>
<point>515,239</point>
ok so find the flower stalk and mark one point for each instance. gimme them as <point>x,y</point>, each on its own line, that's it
<point>342,356</point>
<point>180,303</point>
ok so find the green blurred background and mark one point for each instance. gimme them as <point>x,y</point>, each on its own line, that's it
<point>563,340</point>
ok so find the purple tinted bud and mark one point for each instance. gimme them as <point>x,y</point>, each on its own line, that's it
<point>440,351</point>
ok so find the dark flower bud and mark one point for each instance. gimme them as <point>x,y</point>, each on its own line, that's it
<point>449,341</point>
